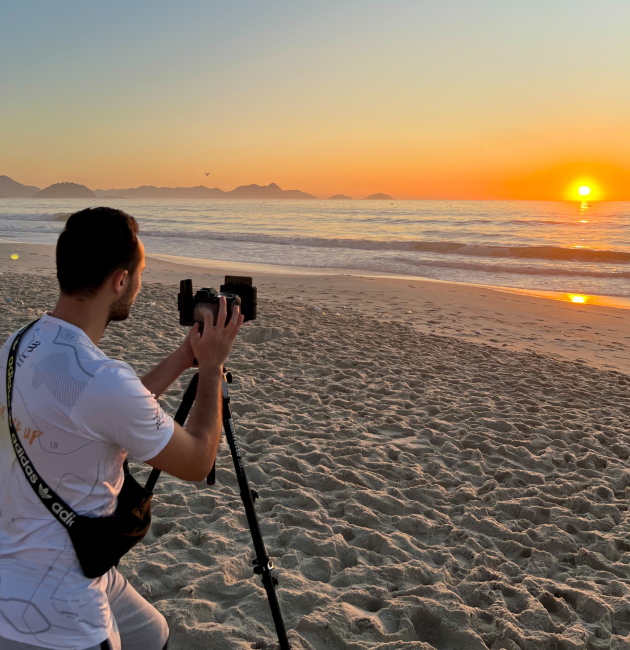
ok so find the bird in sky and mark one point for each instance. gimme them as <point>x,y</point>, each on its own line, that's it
<point>207,173</point>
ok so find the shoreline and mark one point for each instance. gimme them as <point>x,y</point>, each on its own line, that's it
<point>591,333</point>
<point>618,302</point>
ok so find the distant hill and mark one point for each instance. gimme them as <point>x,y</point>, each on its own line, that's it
<point>12,189</point>
<point>201,192</point>
<point>378,197</point>
<point>65,191</point>
<point>340,197</point>
<point>271,191</point>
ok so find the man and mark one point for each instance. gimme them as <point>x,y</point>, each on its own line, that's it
<point>78,414</point>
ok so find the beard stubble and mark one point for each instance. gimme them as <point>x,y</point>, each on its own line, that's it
<point>120,309</point>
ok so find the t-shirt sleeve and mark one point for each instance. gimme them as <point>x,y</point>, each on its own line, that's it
<point>116,407</point>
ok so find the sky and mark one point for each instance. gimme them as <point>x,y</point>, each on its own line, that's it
<point>458,99</point>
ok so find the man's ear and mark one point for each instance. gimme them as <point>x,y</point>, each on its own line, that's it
<point>119,280</point>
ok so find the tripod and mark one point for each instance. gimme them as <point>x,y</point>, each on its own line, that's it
<point>262,563</point>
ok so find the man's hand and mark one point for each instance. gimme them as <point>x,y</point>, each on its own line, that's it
<point>211,349</point>
<point>185,350</point>
<point>191,452</point>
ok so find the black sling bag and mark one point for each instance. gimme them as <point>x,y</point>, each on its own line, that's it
<point>99,542</point>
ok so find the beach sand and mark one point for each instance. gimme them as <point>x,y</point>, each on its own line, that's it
<point>457,481</point>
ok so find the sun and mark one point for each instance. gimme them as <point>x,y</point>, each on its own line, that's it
<point>584,189</point>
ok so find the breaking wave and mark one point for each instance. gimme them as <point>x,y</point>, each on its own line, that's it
<point>518,269</point>
<point>556,253</point>
<point>55,216</point>
<point>530,245</point>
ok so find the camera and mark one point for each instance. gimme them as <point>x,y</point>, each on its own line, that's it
<point>238,292</point>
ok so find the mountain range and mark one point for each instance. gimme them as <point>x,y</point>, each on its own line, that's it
<point>271,191</point>
<point>12,189</point>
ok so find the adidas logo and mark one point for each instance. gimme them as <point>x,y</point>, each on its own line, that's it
<point>43,492</point>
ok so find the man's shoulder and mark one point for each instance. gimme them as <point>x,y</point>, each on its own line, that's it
<point>4,351</point>
<point>9,341</point>
<point>57,336</point>
<point>113,371</point>
<point>114,384</point>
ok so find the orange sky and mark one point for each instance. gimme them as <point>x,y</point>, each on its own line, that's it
<point>459,100</point>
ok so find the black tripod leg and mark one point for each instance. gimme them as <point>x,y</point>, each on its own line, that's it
<point>180,417</point>
<point>263,564</point>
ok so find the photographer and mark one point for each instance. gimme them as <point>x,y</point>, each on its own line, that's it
<point>78,414</point>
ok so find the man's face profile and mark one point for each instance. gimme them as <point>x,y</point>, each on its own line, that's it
<point>120,310</point>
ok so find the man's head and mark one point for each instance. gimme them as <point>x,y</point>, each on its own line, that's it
<point>99,257</point>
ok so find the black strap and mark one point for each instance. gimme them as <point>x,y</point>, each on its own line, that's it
<point>57,507</point>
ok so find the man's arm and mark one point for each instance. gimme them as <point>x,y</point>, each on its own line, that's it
<point>166,372</point>
<point>191,452</point>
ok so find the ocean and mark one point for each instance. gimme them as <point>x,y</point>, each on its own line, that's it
<point>561,246</point>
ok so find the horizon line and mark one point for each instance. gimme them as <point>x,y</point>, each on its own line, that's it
<point>318,196</point>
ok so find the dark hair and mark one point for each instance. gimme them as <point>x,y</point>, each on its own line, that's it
<point>95,243</point>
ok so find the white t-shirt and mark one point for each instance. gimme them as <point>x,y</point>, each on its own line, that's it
<point>77,414</point>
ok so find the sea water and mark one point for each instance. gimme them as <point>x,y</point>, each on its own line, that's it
<point>559,246</point>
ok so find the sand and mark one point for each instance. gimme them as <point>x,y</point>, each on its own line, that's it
<point>421,487</point>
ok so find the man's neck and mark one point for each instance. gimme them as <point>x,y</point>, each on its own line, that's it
<point>85,314</point>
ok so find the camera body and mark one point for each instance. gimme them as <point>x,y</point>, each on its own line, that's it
<point>238,291</point>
